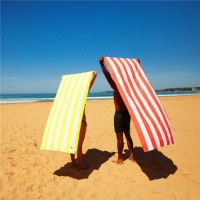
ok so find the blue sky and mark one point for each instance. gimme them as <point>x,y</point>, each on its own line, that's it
<point>40,41</point>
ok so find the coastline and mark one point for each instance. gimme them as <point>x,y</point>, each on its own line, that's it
<point>30,98</point>
<point>27,172</point>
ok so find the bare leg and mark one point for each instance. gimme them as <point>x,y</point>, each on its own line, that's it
<point>130,145</point>
<point>73,159</point>
<point>80,162</point>
<point>120,146</point>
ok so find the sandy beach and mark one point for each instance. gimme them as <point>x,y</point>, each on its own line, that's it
<point>27,173</point>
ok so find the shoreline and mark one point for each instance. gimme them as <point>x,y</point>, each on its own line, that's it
<point>20,101</point>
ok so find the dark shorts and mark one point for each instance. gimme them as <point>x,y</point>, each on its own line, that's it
<point>122,121</point>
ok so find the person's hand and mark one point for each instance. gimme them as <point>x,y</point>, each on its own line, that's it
<point>138,60</point>
<point>101,59</point>
<point>95,73</point>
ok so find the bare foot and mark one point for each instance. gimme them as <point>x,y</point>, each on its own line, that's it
<point>131,158</point>
<point>73,164</point>
<point>81,166</point>
<point>119,161</point>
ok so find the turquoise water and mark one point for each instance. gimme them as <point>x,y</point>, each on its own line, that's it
<point>22,98</point>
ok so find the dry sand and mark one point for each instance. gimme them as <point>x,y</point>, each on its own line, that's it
<point>27,173</point>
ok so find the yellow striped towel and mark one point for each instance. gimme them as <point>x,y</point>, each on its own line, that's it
<point>64,121</point>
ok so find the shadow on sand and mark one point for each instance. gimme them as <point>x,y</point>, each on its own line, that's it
<point>93,158</point>
<point>153,163</point>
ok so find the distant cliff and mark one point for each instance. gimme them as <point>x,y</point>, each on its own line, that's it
<point>183,89</point>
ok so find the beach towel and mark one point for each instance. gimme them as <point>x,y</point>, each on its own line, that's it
<point>64,121</point>
<point>145,108</point>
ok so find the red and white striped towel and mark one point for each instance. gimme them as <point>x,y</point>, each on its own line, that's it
<point>145,108</point>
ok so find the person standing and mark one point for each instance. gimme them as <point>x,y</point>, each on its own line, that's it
<point>121,118</point>
<point>79,162</point>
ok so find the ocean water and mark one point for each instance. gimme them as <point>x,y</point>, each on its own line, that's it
<point>25,98</point>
